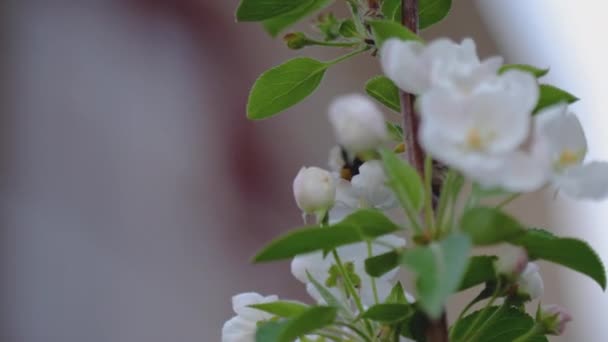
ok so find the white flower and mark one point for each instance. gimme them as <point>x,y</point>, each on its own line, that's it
<point>568,148</point>
<point>554,319</point>
<point>358,123</point>
<point>320,268</point>
<point>314,190</point>
<point>243,326</point>
<point>480,132</point>
<point>415,68</point>
<point>530,282</point>
<point>367,189</point>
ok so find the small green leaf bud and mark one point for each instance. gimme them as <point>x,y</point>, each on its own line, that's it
<point>553,319</point>
<point>296,40</point>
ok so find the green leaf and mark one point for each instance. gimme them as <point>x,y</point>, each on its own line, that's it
<point>391,9</point>
<point>328,297</point>
<point>388,313</point>
<point>439,268</point>
<point>384,91</point>
<point>307,322</point>
<point>483,192</point>
<point>258,10</point>
<point>283,86</point>
<point>572,253</point>
<point>404,180</point>
<point>395,131</point>
<point>348,29</point>
<point>284,309</point>
<point>397,295</point>
<point>379,265</point>
<point>277,24</point>
<point>479,271</point>
<point>270,331</point>
<point>550,95</point>
<point>488,226</point>
<point>360,226</point>
<point>386,29</point>
<point>431,12</point>
<point>537,72</point>
<point>506,327</point>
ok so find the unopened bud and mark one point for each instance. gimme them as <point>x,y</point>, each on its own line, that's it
<point>358,124</point>
<point>530,283</point>
<point>511,262</point>
<point>296,40</point>
<point>553,319</point>
<point>314,190</point>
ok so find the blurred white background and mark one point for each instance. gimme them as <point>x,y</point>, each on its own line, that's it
<point>134,190</point>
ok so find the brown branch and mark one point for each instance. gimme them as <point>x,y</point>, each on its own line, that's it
<point>411,121</point>
<point>436,331</point>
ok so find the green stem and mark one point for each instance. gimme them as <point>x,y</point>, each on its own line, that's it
<point>428,187</point>
<point>534,331</point>
<point>483,312</point>
<point>350,288</point>
<point>507,200</point>
<point>355,330</point>
<point>374,288</point>
<point>332,44</point>
<point>347,56</point>
<point>354,11</point>
<point>488,321</point>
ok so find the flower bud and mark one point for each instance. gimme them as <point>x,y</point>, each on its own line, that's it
<point>358,124</point>
<point>553,319</point>
<point>511,262</point>
<point>296,40</point>
<point>530,283</point>
<point>314,190</point>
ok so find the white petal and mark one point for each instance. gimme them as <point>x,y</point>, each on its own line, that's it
<point>563,130</point>
<point>370,186</point>
<point>238,329</point>
<point>313,263</point>
<point>589,181</point>
<point>241,302</point>
<point>401,63</point>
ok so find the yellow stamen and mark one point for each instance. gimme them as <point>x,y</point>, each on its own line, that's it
<point>568,158</point>
<point>474,139</point>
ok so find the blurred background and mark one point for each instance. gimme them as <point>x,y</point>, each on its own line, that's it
<point>134,190</point>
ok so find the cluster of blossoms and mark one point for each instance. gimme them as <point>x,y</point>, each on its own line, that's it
<point>483,123</point>
<point>474,119</point>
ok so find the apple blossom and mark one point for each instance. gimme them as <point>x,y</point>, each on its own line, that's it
<point>480,132</point>
<point>242,327</point>
<point>358,124</point>
<point>553,318</point>
<point>319,266</point>
<point>530,282</point>
<point>314,190</point>
<point>416,68</point>
<point>568,148</point>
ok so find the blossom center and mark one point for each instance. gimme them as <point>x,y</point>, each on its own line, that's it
<point>474,140</point>
<point>568,157</point>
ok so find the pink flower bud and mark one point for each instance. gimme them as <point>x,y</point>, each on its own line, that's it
<point>554,318</point>
<point>511,262</point>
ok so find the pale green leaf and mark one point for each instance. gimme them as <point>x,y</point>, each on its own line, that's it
<point>307,322</point>
<point>397,295</point>
<point>439,267</point>
<point>386,29</point>
<point>275,25</point>
<point>381,264</point>
<point>284,86</point>
<point>388,313</point>
<point>362,225</point>
<point>285,309</point>
<point>384,91</point>
<point>488,226</point>
<point>404,180</point>
<point>479,271</point>
<point>551,95</point>
<point>572,253</point>
<point>258,10</point>
<point>536,72</point>
<point>395,131</point>
<point>505,326</point>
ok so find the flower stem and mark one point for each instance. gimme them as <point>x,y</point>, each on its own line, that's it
<point>507,200</point>
<point>347,56</point>
<point>535,330</point>
<point>488,321</point>
<point>374,287</point>
<point>428,198</point>
<point>333,44</point>
<point>481,315</point>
